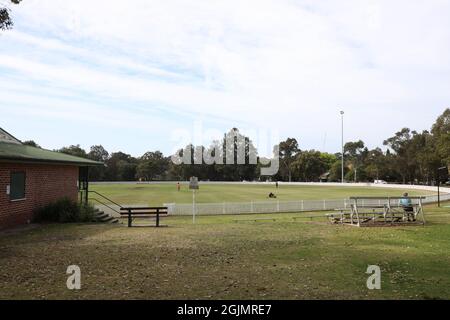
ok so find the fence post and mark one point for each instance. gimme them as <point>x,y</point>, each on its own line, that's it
<point>303,205</point>
<point>129,218</point>
<point>157,217</point>
<point>251,207</point>
<point>324,205</point>
<point>224,208</point>
<point>278,205</point>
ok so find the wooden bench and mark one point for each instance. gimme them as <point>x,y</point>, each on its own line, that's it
<point>338,216</point>
<point>144,212</point>
<point>365,213</point>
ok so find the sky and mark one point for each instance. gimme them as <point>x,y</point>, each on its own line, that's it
<point>151,75</point>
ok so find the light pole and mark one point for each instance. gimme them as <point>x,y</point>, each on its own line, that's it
<point>342,144</point>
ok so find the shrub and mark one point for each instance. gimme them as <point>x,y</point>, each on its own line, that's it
<point>87,213</point>
<point>63,211</point>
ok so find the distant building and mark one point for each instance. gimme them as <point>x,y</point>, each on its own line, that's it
<point>32,177</point>
<point>324,177</point>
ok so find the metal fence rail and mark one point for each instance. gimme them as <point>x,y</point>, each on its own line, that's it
<point>277,206</point>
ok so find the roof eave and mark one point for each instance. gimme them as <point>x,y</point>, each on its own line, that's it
<point>45,161</point>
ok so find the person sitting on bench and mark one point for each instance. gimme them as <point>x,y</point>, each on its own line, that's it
<point>406,203</point>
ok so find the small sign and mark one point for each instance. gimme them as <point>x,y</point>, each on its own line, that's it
<point>193,183</point>
<point>8,190</point>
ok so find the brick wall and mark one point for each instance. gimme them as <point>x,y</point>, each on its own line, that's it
<point>44,184</point>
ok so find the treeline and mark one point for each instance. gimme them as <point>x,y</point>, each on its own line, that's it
<point>410,157</point>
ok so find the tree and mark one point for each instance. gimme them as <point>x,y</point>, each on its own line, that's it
<point>151,165</point>
<point>310,165</point>
<point>441,134</point>
<point>74,150</point>
<point>404,161</point>
<point>126,171</point>
<point>328,158</point>
<point>121,166</point>
<point>192,164</point>
<point>233,158</point>
<point>354,154</point>
<point>288,151</point>
<point>31,143</point>
<point>174,172</point>
<point>335,170</point>
<point>410,157</point>
<point>238,149</point>
<point>423,148</point>
<point>98,153</point>
<point>5,18</point>
<point>376,166</point>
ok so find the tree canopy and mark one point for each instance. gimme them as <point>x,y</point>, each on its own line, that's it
<point>409,157</point>
<point>5,15</point>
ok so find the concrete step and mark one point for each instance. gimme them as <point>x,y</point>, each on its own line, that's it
<point>103,217</point>
<point>108,219</point>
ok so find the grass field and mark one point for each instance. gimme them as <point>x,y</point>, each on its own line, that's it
<point>158,194</point>
<point>219,258</point>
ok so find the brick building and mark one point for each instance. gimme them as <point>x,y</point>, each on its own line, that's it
<point>32,177</point>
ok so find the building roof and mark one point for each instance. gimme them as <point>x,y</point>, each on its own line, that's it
<point>11,149</point>
<point>24,153</point>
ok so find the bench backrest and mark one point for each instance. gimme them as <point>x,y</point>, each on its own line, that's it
<point>144,210</point>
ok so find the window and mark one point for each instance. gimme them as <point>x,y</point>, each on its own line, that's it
<point>17,186</point>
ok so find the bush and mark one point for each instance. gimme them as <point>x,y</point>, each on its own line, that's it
<point>63,211</point>
<point>87,213</point>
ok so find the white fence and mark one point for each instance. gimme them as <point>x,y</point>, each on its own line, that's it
<point>276,206</point>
